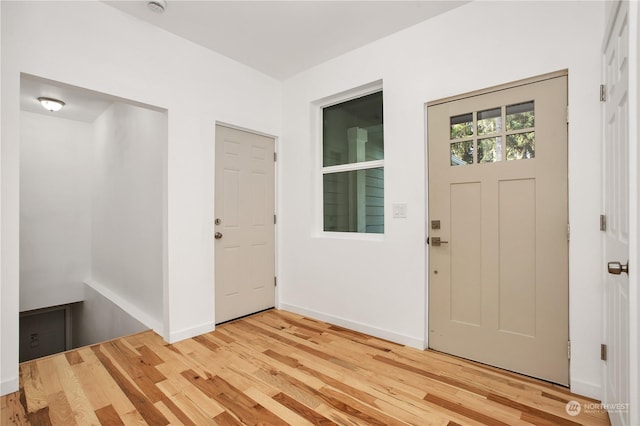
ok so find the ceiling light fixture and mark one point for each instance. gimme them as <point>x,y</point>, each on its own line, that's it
<point>51,104</point>
<point>157,6</point>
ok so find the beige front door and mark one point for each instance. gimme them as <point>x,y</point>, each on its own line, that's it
<point>245,230</point>
<point>498,278</point>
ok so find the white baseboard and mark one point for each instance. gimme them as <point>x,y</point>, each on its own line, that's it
<point>129,308</point>
<point>190,332</point>
<point>356,326</point>
<point>587,389</point>
<point>9,386</point>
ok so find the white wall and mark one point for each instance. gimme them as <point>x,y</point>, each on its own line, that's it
<point>127,207</point>
<point>100,48</point>
<point>55,208</point>
<point>380,287</point>
<point>97,319</point>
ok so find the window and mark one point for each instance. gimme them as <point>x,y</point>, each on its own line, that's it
<point>518,131</point>
<point>353,165</point>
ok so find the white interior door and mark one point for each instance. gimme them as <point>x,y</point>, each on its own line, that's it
<point>498,279</point>
<point>245,229</point>
<point>616,208</point>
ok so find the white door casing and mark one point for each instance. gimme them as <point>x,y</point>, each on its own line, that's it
<point>244,223</point>
<point>498,287</point>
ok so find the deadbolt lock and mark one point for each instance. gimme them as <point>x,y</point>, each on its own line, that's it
<point>435,224</point>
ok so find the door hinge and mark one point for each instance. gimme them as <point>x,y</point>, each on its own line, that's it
<point>567,113</point>
<point>568,349</point>
<point>568,232</point>
<point>603,352</point>
<point>603,222</point>
<point>275,156</point>
<point>603,93</point>
<point>275,281</point>
<point>274,219</point>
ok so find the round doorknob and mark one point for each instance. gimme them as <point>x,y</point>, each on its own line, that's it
<point>218,235</point>
<point>616,268</point>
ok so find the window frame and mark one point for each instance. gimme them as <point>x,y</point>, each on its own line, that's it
<point>320,170</point>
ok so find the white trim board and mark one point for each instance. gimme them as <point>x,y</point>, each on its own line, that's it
<point>591,390</point>
<point>9,386</point>
<point>356,326</point>
<point>187,333</point>
<point>154,323</point>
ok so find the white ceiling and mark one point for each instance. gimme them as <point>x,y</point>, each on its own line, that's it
<point>282,38</point>
<point>279,38</point>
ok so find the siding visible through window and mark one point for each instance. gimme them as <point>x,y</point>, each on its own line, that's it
<point>353,160</point>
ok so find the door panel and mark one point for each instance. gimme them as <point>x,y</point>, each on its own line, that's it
<point>517,261</point>
<point>466,254</point>
<point>616,207</point>
<point>498,287</point>
<point>245,254</point>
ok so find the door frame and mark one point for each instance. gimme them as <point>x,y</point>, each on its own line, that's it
<point>276,192</point>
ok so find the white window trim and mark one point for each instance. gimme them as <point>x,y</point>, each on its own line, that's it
<point>319,171</point>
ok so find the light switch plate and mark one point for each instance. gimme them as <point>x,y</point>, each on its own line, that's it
<point>399,210</point>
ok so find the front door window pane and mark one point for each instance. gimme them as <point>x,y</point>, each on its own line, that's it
<point>461,153</point>
<point>489,150</point>
<point>521,146</point>
<point>489,121</point>
<point>461,126</point>
<point>520,116</point>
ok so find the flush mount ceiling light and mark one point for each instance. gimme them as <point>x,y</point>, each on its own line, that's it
<point>157,6</point>
<point>51,104</point>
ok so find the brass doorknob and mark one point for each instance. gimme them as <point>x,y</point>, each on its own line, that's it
<point>217,235</point>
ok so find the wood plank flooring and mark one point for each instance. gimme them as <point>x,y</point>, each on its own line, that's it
<point>278,368</point>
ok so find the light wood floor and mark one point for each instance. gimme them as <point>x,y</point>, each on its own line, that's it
<point>278,368</point>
